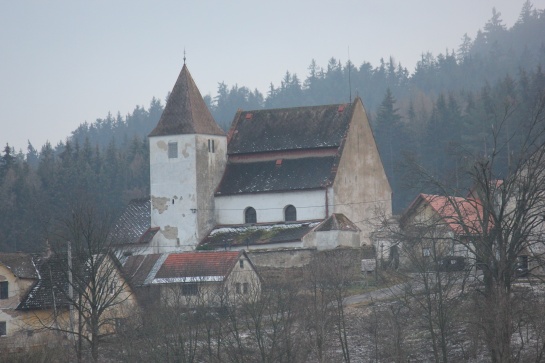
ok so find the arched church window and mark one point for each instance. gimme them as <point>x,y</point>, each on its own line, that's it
<point>290,213</point>
<point>250,215</point>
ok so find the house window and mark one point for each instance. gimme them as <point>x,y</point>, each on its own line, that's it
<point>426,252</point>
<point>112,288</point>
<point>3,329</point>
<point>3,290</point>
<point>250,215</point>
<point>172,150</point>
<point>190,289</point>
<point>241,263</point>
<point>211,146</point>
<point>237,287</point>
<point>290,213</point>
<point>120,324</point>
<point>245,288</point>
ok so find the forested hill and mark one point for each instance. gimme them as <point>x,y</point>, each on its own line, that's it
<point>446,104</point>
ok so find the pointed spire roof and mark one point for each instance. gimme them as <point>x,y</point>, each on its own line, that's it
<point>185,111</point>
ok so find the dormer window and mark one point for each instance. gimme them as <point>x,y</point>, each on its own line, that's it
<point>250,216</point>
<point>172,150</point>
<point>290,213</point>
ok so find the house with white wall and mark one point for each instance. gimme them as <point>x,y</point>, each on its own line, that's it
<point>192,279</point>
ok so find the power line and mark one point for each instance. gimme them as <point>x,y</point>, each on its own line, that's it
<point>301,207</point>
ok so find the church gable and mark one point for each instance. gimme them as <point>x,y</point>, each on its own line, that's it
<point>361,190</point>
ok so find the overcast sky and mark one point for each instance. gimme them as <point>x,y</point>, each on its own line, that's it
<point>66,62</point>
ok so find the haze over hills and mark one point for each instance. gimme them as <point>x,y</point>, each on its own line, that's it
<point>446,104</point>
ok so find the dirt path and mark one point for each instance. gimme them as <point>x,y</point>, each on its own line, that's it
<point>380,294</point>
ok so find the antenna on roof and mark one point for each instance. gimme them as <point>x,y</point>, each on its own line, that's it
<point>184,56</point>
<point>349,71</point>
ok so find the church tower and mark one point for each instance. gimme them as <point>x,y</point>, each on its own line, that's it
<point>188,152</point>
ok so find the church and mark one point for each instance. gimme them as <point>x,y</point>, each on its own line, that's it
<point>304,177</point>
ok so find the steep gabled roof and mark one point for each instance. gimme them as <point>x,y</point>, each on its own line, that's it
<point>274,176</point>
<point>185,111</point>
<point>20,264</point>
<point>134,224</point>
<point>296,128</point>
<point>51,290</point>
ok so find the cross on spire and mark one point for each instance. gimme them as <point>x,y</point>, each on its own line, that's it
<point>184,55</point>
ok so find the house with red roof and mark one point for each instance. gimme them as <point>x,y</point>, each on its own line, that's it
<point>440,225</point>
<point>202,278</point>
<point>267,183</point>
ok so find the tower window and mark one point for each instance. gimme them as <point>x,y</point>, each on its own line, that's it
<point>211,146</point>
<point>290,213</point>
<point>250,215</point>
<point>172,150</point>
<point>3,290</point>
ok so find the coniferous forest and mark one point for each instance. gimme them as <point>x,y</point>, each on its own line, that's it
<point>446,104</point>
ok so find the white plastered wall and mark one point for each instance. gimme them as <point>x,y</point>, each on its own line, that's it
<point>182,188</point>
<point>310,205</point>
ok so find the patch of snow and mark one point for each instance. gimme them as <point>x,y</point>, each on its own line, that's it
<point>262,228</point>
<point>174,280</point>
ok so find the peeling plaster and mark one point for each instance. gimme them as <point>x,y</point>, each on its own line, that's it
<point>184,150</point>
<point>159,203</point>
<point>170,232</point>
<point>162,145</point>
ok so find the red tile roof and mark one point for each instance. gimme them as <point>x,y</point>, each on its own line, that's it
<point>458,213</point>
<point>198,264</point>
